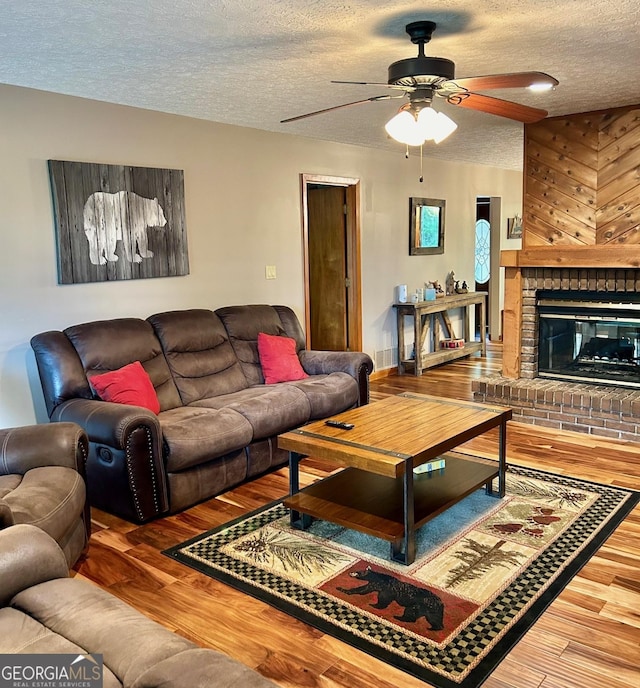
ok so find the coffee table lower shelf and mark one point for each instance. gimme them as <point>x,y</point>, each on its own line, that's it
<point>373,504</point>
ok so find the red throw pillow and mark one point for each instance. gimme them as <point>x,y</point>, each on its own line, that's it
<point>128,385</point>
<point>278,358</point>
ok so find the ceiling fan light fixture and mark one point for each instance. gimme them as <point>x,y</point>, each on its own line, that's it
<point>435,126</point>
<point>414,130</point>
<point>404,128</point>
<point>445,126</point>
<point>428,122</point>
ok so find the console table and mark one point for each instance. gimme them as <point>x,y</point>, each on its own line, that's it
<point>430,318</point>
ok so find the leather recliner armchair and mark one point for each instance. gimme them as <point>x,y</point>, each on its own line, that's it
<point>43,611</point>
<point>42,482</point>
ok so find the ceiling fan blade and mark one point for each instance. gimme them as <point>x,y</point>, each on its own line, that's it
<point>337,107</point>
<point>515,80</point>
<point>360,83</point>
<point>496,106</point>
<point>374,83</point>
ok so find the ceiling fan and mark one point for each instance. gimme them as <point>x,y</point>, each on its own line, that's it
<point>423,78</point>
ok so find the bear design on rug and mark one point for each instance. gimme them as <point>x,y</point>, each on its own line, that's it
<point>416,601</point>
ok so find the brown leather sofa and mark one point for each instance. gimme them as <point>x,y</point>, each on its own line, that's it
<point>42,469</point>
<point>218,422</point>
<point>43,611</point>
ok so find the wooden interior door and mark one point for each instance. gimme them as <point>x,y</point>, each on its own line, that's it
<point>327,246</point>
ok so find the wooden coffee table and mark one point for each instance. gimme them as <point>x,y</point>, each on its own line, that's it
<point>377,492</point>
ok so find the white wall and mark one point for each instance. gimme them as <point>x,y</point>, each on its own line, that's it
<point>242,191</point>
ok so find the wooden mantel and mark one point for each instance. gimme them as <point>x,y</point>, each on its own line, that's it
<point>573,257</point>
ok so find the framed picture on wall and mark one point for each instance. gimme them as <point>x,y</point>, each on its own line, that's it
<point>514,227</point>
<point>426,226</point>
<point>117,222</point>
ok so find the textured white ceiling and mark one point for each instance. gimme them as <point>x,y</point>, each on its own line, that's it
<point>255,62</point>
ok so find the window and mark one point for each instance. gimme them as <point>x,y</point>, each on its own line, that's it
<point>483,251</point>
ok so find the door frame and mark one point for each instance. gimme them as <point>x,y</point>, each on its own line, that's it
<point>354,256</point>
<point>493,312</point>
<point>494,329</point>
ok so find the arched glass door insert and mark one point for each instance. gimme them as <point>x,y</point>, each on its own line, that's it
<point>483,251</point>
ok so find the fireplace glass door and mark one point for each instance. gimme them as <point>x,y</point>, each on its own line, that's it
<point>589,340</point>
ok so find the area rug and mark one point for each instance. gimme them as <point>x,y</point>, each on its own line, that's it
<point>485,570</point>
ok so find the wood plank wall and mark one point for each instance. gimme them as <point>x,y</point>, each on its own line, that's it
<point>581,204</point>
<point>582,180</point>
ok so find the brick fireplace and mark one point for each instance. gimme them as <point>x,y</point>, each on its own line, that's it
<point>581,232</point>
<point>600,410</point>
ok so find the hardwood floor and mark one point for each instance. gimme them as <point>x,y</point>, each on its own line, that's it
<point>589,636</point>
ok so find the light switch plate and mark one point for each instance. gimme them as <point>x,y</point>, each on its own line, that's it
<point>270,271</point>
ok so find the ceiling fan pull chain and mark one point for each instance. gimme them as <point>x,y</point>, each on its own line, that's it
<point>421,176</point>
<point>406,154</point>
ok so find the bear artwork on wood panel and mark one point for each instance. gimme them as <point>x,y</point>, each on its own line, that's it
<point>121,216</point>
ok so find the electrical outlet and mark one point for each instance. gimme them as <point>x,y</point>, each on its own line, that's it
<point>270,271</point>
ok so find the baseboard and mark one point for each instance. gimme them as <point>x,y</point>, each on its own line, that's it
<point>385,372</point>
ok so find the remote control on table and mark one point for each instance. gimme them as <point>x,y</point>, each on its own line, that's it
<point>339,424</point>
